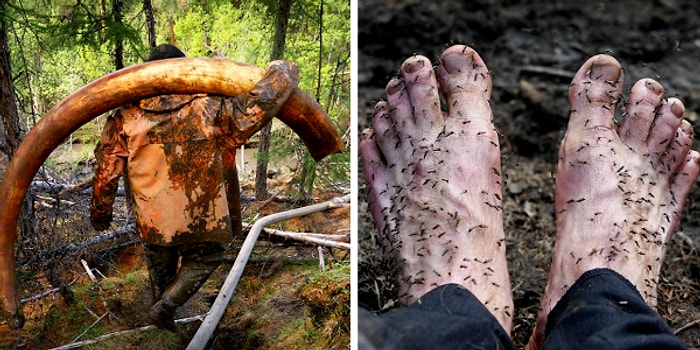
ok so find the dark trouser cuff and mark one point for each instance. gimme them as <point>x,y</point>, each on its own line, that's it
<point>448,317</point>
<point>603,310</point>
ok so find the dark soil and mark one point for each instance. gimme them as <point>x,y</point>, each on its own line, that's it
<point>532,50</point>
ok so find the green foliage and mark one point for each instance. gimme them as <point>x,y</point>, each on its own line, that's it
<point>242,34</point>
<point>193,29</point>
<point>58,46</point>
<point>73,321</point>
<point>337,274</point>
<point>334,90</point>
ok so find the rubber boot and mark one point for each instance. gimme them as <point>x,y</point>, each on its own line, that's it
<point>162,314</point>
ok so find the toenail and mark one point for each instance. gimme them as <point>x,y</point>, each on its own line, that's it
<point>687,128</point>
<point>677,109</point>
<point>453,61</point>
<point>394,86</point>
<point>654,86</point>
<point>608,71</point>
<point>413,65</point>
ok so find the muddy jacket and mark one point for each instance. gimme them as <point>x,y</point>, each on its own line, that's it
<point>171,148</point>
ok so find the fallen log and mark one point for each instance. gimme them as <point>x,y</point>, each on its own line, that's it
<point>314,238</point>
<point>84,187</point>
<point>331,237</point>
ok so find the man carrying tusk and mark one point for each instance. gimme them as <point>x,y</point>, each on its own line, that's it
<point>172,149</point>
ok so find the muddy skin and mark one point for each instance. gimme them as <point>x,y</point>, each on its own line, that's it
<point>620,189</point>
<point>435,181</point>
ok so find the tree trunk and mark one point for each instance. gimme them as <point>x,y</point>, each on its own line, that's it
<point>308,166</point>
<point>10,138</point>
<point>117,6</point>
<point>103,21</point>
<point>150,23</point>
<point>283,9</point>
<point>320,51</point>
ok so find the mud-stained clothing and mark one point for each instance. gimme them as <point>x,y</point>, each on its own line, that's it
<point>178,152</point>
<point>171,148</point>
<point>198,261</point>
<point>174,166</point>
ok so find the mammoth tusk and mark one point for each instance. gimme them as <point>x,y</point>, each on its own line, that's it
<point>172,76</point>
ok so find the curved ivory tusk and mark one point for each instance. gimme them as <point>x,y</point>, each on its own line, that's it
<point>172,76</point>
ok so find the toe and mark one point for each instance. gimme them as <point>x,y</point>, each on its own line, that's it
<point>595,90</point>
<point>665,126</point>
<point>687,174</point>
<point>645,101</point>
<point>398,108</point>
<point>465,84</point>
<point>678,144</point>
<point>679,156</point>
<point>384,133</point>
<point>374,168</point>
<point>666,140</point>
<point>422,89</point>
<point>683,139</point>
<point>462,68</point>
<point>370,155</point>
<point>681,186</point>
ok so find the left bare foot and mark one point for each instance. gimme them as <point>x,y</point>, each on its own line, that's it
<point>435,181</point>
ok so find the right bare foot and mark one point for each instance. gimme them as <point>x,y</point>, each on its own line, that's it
<point>620,189</point>
<point>435,181</point>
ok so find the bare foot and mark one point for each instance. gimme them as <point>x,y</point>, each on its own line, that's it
<point>435,181</point>
<point>620,189</point>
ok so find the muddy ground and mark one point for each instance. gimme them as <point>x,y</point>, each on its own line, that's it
<point>282,301</point>
<point>532,50</point>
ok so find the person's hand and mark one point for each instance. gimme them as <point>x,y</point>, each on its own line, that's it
<point>290,69</point>
<point>266,98</point>
<point>270,93</point>
<point>100,224</point>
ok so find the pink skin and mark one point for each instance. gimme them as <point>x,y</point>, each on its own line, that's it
<point>620,189</point>
<point>434,181</point>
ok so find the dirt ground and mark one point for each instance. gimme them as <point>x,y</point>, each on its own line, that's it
<point>532,49</point>
<point>283,300</point>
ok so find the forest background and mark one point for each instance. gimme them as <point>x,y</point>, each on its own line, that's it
<point>58,46</point>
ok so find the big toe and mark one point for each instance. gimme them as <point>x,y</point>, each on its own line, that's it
<point>465,85</point>
<point>463,70</point>
<point>594,93</point>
